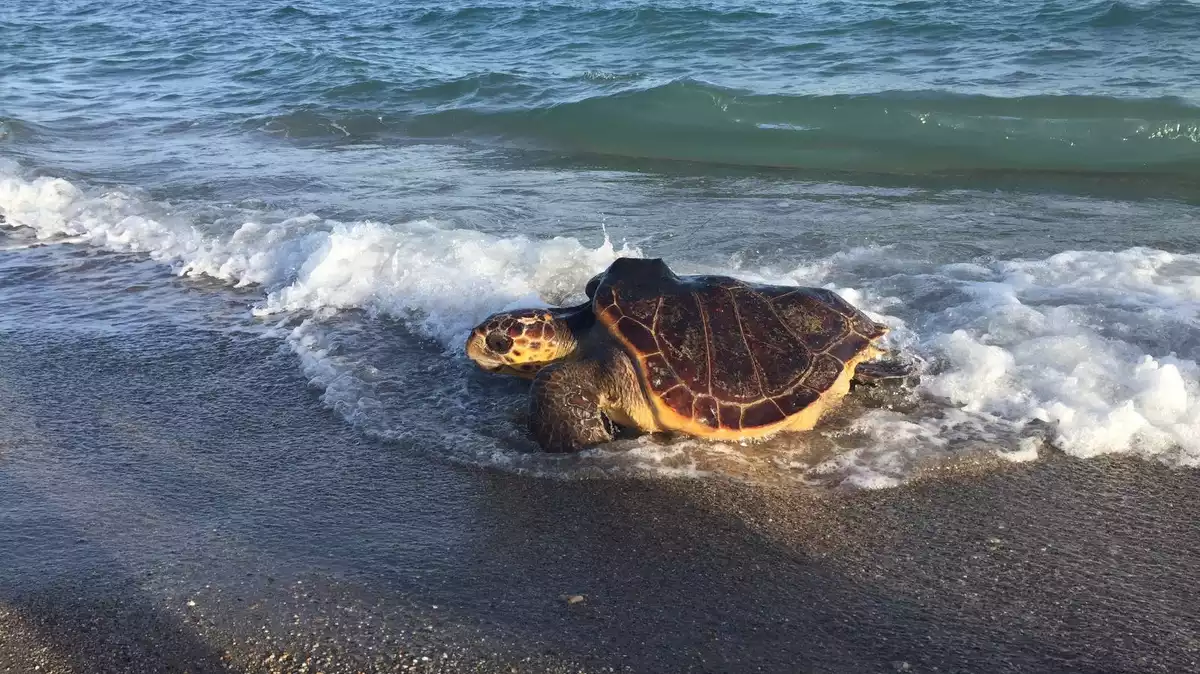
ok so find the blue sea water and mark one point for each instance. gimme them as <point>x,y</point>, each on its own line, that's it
<point>1012,187</point>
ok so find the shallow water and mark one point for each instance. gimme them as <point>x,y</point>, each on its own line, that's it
<point>1012,190</point>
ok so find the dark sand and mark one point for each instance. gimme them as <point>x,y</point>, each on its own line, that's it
<point>234,525</point>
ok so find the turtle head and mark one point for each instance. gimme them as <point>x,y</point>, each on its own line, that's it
<point>523,342</point>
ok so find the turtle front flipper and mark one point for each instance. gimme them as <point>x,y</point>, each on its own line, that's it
<point>564,408</point>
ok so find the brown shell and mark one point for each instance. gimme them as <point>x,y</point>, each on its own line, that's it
<point>724,354</point>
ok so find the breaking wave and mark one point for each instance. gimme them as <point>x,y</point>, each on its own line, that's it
<point>1086,352</point>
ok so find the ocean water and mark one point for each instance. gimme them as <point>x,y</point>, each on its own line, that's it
<point>1014,189</point>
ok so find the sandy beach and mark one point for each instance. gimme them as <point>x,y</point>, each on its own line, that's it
<point>148,543</point>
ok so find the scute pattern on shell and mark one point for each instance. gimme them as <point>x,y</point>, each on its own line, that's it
<point>729,354</point>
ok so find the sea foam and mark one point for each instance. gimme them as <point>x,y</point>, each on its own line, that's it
<point>446,279</point>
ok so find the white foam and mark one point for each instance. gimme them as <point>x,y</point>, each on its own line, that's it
<point>449,278</point>
<point>444,279</point>
<point>1028,449</point>
<point>1043,342</point>
<point>1093,352</point>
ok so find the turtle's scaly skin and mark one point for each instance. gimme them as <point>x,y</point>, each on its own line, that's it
<point>721,358</point>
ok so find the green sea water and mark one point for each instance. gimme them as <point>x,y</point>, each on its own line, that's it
<point>863,87</point>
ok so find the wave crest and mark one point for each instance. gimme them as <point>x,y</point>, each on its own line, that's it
<point>900,132</point>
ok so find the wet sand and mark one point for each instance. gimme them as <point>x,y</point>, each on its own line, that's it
<point>236,525</point>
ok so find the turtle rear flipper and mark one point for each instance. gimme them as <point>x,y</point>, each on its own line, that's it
<point>883,372</point>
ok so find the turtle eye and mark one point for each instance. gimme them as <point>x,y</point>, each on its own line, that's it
<point>499,342</point>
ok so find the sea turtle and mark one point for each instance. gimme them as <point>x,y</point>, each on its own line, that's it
<point>709,356</point>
